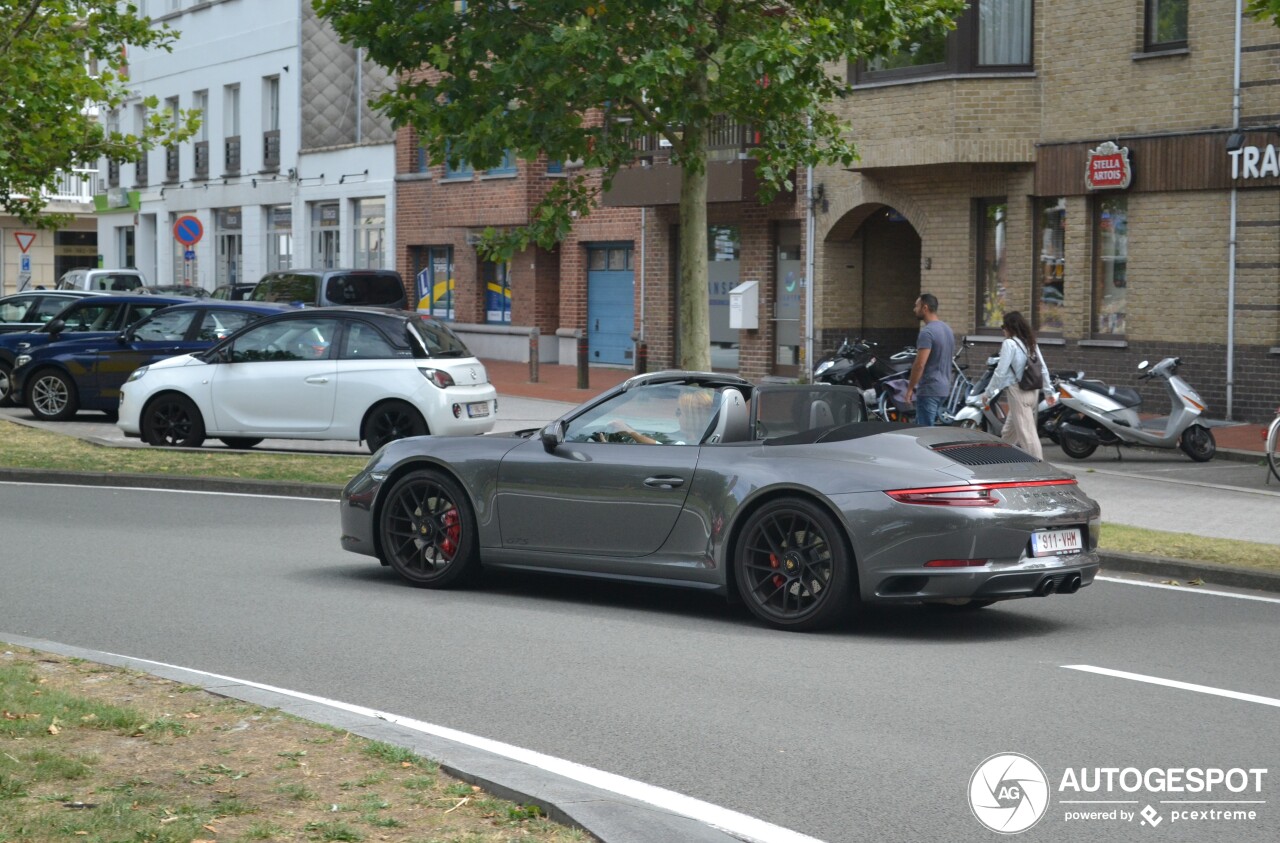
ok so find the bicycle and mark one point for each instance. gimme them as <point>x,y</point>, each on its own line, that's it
<point>1273,447</point>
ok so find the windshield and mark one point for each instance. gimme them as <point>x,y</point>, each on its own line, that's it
<point>286,288</point>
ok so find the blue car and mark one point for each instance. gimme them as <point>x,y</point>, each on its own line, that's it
<point>95,316</point>
<point>86,373</point>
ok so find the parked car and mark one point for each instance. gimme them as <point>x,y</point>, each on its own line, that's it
<point>353,373</point>
<point>328,287</point>
<point>58,380</point>
<point>24,312</point>
<point>103,280</point>
<point>784,496</point>
<point>191,291</point>
<point>233,292</point>
<point>97,316</point>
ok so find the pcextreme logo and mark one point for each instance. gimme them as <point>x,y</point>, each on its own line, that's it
<point>1010,793</point>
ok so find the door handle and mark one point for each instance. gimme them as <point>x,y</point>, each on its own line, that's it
<point>664,482</point>
<point>317,379</point>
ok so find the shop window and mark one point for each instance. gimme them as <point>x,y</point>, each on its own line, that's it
<point>279,237</point>
<point>1166,25</point>
<point>991,36</point>
<point>496,278</point>
<point>370,232</point>
<point>435,283</point>
<point>1111,268</point>
<point>1051,264</point>
<point>993,280</point>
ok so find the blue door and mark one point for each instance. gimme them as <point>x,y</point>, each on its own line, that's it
<point>610,305</point>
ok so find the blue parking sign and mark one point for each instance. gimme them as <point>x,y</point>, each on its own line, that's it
<point>26,263</point>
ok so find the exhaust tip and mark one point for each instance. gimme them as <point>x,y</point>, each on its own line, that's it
<point>1046,587</point>
<point>1072,585</point>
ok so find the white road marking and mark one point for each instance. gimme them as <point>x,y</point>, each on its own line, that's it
<point>1189,589</point>
<point>1173,683</point>
<point>167,491</point>
<point>741,825</point>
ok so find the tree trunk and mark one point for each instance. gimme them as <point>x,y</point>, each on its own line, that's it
<point>695,313</point>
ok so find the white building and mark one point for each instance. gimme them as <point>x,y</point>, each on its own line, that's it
<point>290,168</point>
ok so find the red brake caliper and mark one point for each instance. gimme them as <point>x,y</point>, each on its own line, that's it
<point>452,532</point>
<point>778,579</point>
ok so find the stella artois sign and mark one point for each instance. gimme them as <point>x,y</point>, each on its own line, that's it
<point>1108,167</point>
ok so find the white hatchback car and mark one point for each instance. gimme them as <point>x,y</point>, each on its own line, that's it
<point>355,373</point>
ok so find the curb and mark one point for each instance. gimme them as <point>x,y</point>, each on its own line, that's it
<point>1183,570</point>
<point>174,482</point>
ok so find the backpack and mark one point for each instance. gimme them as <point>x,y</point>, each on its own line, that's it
<point>1031,380</point>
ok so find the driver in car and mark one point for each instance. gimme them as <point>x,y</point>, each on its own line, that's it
<point>694,409</point>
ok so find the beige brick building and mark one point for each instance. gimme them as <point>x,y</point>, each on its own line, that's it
<point>972,186</point>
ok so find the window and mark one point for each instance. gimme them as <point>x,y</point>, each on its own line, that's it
<point>165,326</point>
<point>458,170</point>
<point>1051,268</point>
<point>171,169</point>
<point>271,123</point>
<point>1110,271</point>
<point>364,342</point>
<point>435,283</point>
<point>200,103</point>
<point>290,339</point>
<point>1166,25</point>
<point>220,324</point>
<point>140,173</point>
<point>370,232</point>
<point>230,245</point>
<point>507,167</point>
<point>326,243</point>
<point>13,311</point>
<point>991,36</point>
<point>496,278</point>
<point>279,237</point>
<point>993,280</point>
<point>675,414</point>
<point>231,128</point>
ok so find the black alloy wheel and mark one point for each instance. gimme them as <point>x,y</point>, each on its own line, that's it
<point>52,396</point>
<point>6,384</point>
<point>391,421</point>
<point>1198,443</point>
<point>172,421</point>
<point>792,566</point>
<point>239,442</point>
<point>427,531</point>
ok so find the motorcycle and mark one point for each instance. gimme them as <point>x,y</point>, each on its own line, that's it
<point>1096,414</point>
<point>863,364</point>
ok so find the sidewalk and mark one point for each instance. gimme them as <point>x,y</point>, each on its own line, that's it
<point>560,383</point>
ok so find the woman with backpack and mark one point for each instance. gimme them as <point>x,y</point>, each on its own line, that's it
<point>1023,377</point>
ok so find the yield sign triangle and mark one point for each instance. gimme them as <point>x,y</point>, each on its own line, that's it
<point>25,239</point>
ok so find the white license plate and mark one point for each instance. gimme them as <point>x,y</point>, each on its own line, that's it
<point>1056,542</point>
<point>479,409</point>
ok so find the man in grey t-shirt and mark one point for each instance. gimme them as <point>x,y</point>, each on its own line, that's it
<point>930,380</point>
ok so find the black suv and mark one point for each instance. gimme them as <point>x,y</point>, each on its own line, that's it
<point>328,287</point>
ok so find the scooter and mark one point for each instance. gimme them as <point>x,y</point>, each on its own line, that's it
<point>989,416</point>
<point>863,364</point>
<point>1097,414</point>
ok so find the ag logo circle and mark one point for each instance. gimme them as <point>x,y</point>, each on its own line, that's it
<point>1009,793</point>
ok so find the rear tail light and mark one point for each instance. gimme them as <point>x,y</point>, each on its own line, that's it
<point>438,377</point>
<point>982,494</point>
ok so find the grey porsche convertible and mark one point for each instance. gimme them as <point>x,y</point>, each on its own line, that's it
<point>785,496</point>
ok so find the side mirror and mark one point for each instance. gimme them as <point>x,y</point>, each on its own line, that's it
<point>221,355</point>
<point>553,435</point>
<point>123,338</point>
<point>56,326</point>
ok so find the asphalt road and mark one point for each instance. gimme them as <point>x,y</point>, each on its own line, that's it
<point>871,732</point>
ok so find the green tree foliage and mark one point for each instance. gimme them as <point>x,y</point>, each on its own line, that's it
<point>582,80</point>
<point>1265,9</point>
<point>59,59</point>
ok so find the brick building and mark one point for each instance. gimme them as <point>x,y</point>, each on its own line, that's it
<point>972,185</point>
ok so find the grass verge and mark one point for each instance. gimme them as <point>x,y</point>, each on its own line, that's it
<point>27,447</point>
<point>100,754</point>
<point>1241,554</point>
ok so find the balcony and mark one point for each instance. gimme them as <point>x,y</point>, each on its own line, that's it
<point>75,187</point>
<point>231,150</point>
<point>202,159</point>
<point>171,175</point>
<point>271,151</point>
<point>653,180</point>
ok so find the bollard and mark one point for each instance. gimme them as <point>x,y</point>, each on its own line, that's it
<point>533,355</point>
<point>583,377</point>
<point>642,358</point>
